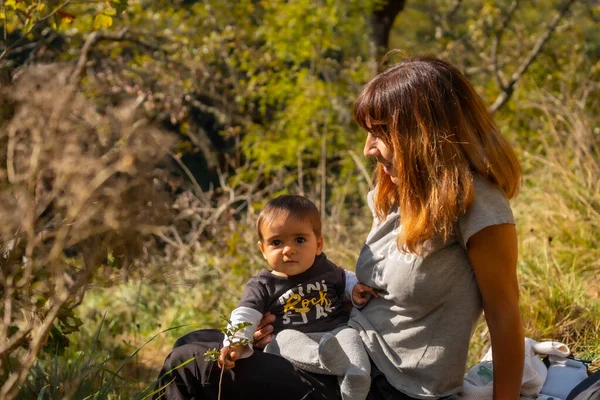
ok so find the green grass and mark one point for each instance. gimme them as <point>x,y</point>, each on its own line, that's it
<point>86,373</point>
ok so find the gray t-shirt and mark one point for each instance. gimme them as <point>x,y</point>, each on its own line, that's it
<point>418,331</point>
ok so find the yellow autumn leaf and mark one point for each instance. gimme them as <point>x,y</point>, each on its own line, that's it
<point>41,7</point>
<point>2,15</point>
<point>109,11</point>
<point>10,3</point>
<point>102,21</point>
<point>65,22</point>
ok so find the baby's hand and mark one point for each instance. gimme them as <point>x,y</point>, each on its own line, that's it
<point>361,293</point>
<point>229,354</point>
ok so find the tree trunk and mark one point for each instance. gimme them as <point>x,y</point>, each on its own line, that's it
<point>381,21</point>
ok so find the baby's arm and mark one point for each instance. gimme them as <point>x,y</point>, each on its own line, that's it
<point>232,348</point>
<point>229,355</point>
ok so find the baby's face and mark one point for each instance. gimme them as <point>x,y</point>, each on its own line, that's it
<point>289,245</point>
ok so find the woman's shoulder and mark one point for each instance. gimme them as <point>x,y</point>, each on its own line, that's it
<point>488,193</point>
<point>484,186</point>
<point>490,206</point>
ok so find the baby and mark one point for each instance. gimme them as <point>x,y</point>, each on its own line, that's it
<point>305,291</point>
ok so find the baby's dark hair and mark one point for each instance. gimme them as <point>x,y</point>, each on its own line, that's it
<point>285,206</point>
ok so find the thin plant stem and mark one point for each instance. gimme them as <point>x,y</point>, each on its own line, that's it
<point>221,382</point>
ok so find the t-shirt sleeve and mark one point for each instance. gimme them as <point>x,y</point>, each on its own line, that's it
<point>338,277</point>
<point>351,281</point>
<point>255,296</point>
<point>371,201</point>
<point>250,309</point>
<point>490,207</point>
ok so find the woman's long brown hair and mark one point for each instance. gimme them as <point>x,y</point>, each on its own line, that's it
<point>441,133</point>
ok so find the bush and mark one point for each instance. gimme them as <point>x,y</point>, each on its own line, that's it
<point>76,195</point>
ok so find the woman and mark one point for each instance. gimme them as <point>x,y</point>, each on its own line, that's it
<point>443,247</point>
<point>443,243</point>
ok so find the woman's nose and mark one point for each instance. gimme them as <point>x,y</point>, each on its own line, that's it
<point>370,150</point>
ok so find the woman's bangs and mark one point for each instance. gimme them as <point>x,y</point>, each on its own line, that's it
<point>363,109</point>
<point>368,113</point>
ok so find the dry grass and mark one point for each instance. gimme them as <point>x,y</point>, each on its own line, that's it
<point>559,219</point>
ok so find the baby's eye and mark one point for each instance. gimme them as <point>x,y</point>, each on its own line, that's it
<point>300,240</point>
<point>276,242</point>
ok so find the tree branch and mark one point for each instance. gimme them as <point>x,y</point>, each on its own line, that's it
<point>96,37</point>
<point>10,388</point>
<point>508,90</point>
<point>496,43</point>
<point>89,44</point>
<point>443,20</point>
<point>450,14</point>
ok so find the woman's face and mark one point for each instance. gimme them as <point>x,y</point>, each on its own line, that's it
<point>375,147</point>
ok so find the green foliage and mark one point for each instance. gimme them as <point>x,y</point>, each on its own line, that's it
<point>212,355</point>
<point>31,19</point>
<point>305,98</point>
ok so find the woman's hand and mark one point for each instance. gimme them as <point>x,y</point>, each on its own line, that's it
<point>264,331</point>
<point>361,293</point>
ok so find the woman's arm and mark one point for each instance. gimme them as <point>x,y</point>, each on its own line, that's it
<point>493,254</point>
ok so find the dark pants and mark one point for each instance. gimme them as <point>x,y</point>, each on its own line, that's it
<point>262,376</point>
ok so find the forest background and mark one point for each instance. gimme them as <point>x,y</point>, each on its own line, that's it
<point>139,138</point>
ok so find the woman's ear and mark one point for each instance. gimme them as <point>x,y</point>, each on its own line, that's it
<point>262,249</point>
<point>319,245</point>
